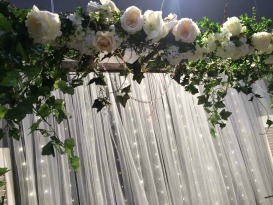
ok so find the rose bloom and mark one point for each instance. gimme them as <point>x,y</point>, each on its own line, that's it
<point>93,6</point>
<point>261,40</point>
<point>109,6</point>
<point>105,41</point>
<point>233,25</point>
<point>132,20</point>
<point>185,30</point>
<point>153,24</point>
<point>43,26</point>
<point>169,22</point>
<point>105,5</point>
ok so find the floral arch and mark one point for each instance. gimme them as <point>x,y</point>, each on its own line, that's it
<point>35,43</point>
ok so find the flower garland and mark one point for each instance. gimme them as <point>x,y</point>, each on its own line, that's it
<point>34,44</point>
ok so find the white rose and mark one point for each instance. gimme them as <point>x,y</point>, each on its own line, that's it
<point>105,5</point>
<point>185,30</point>
<point>261,40</point>
<point>43,26</point>
<point>132,20</point>
<point>93,6</point>
<point>153,24</point>
<point>233,25</point>
<point>109,6</point>
<point>105,41</point>
<point>169,22</point>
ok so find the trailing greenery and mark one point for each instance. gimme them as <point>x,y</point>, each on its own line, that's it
<point>212,56</point>
<point>3,171</point>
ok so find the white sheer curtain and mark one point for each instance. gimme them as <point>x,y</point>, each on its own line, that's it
<point>156,151</point>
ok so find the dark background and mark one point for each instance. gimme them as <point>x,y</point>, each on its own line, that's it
<point>195,9</point>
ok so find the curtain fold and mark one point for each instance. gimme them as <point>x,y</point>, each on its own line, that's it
<point>156,151</point>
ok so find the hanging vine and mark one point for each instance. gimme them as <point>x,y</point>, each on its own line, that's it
<point>34,44</point>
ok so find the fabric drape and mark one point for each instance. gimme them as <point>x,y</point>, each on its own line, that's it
<point>156,151</point>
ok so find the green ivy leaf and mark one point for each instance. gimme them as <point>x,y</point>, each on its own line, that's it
<point>251,99</point>
<point>222,125</point>
<point>138,77</point>
<point>100,103</point>
<point>123,99</point>
<point>212,73</point>
<point>62,85</point>
<point>26,105</point>
<point>35,125</point>
<point>127,89</point>
<point>202,99</point>
<point>5,24</point>
<point>69,145</point>
<point>98,81</point>
<point>3,171</point>
<point>192,89</point>
<point>136,69</point>
<point>59,110</point>
<point>48,149</point>
<point>44,110</point>
<point>213,132</point>
<point>21,51</point>
<point>269,122</point>
<point>75,163</point>
<point>14,133</point>
<point>11,79</point>
<point>59,104</point>
<point>56,140</point>
<point>124,71</point>
<point>44,132</point>
<point>214,118</point>
<point>225,114</point>
<point>219,104</point>
<point>3,111</point>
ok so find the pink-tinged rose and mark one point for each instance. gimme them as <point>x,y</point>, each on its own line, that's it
<point>185,30</point>
<point>132,20</point>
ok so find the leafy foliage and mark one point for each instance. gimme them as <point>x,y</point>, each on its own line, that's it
<point>31,71</point>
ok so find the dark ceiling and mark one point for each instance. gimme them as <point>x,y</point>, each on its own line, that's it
<point>195,9</point>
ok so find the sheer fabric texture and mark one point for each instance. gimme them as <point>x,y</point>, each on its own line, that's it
<point>156,151</point>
